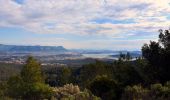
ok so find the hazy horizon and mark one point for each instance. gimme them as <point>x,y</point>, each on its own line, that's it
<point>83,24</point>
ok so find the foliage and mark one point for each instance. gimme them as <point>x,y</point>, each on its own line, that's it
<point>65,76</point>
<point>40,91</point>
<point>29,85</point>
<point>158,55</point>
<point>104,87</point>
<point>14,86</point>
<point>8,70</point>
<point>125,73</point>
<point>160,92</point>
<point>90,71</point>
<point>71,92</point>
<point>3,91</point>
<point>155,92</point>
<point>164,38</point>
<point>125,57</point>
<point>31,72</point>
<point>136,92</point>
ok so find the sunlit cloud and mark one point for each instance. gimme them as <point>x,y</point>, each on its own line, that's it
<point>112,18</point>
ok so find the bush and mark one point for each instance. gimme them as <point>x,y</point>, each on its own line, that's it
<point>3,91</point>
<point>71,92</point>
<point>155,92</point>
<point>104,87</point>
<point>160,92</point>
<point>136,92</point>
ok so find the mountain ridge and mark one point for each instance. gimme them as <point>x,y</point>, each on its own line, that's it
<point>35,48</point>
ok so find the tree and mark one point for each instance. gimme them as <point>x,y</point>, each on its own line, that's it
<point>125,73</point>
<point>15,87</point>
<point>89,72</point>
<point>3,91</point>
<point>152,52</point>
<point>125,57</point>
<point>158,55</point>
<point>128,56</point>
<point>31,72</point>
<point>164,38</point>
<point>29,85</point>
<point>65,76</point>
<point>122,56</point>
<point>104,87</point>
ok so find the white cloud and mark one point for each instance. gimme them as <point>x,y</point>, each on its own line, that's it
<point>75,16</point>
<point>81,17</point>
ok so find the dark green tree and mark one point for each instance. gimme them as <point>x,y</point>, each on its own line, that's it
<point>164,38</point>
<point>29,85</point>
<point>158,55</point>
<point>65,76</point>
<point>152,52</point>
<point>90,71</point>
<point>125,73</point>
<point>125,56</point>
<point>128,56</point>
<point>105,88</point>
<point>15,87</point>
<point>31,72</point>
<point>122,56</point>
<point>3,91</point>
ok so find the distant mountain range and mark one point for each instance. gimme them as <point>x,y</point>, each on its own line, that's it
<point>59,50</point>
<point>19,48</point>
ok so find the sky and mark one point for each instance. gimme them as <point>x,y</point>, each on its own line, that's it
<point>83,24</point>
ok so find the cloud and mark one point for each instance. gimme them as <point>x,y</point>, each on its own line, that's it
<point>112,18</point>
<point>77,16</point>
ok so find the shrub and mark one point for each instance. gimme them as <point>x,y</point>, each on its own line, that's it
<point>155,92</point>
<point>136,92</point>
<point>72,92</point>
<point>104,87</point>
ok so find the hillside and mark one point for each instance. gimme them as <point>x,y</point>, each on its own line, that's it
<point>18,48</point>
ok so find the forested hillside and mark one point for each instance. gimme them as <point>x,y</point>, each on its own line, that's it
<point>146,78</point>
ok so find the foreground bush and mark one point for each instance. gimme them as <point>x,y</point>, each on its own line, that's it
<point>155,92</point>
<point>71,92</point>
<point>136,92</point>
<point>105,88</point>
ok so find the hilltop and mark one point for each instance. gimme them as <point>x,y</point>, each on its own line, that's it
<point>37,48</point>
